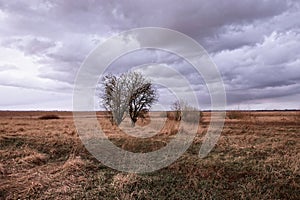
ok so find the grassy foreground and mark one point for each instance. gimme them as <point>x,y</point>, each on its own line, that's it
<point>256,157</point>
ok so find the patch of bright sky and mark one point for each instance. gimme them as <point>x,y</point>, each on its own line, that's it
<point>25,64</point>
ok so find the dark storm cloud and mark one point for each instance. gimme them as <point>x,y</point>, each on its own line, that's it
<point>255,44</point>
<point>200,19</point>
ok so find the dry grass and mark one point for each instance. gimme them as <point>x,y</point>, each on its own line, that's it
<point>253,159</point>
<point>236,114</point>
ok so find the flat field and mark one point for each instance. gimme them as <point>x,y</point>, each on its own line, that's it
<point>256,157</point>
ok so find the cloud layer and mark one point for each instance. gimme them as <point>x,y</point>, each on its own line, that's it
<point>254,43</point>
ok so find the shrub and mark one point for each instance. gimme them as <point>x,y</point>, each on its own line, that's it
<point>50,116</point>
<point>181,109</point>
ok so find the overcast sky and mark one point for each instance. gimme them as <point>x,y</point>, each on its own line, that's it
<point>254,43</point>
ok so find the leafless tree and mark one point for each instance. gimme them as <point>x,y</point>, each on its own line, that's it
<point>176,111</point>
<point>142,98</point>
<point>130,93</point>
<point>181,109</point>
<point>113,98</point>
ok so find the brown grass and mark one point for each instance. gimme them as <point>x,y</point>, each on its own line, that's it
<point>253,159</point>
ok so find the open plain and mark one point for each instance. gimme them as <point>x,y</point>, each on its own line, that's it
<point>256,157</point>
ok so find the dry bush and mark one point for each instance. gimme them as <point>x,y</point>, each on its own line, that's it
<point>188,116</point>
<point>49,116</point>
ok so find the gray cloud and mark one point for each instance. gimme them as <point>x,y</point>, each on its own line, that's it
<point>29,45</point>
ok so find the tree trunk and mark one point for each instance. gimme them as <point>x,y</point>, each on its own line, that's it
<point>133,121</point>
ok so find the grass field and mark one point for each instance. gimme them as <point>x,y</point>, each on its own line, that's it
<point>256,157</point>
